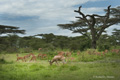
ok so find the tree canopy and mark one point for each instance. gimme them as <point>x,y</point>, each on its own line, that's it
<point>92,26</point>
<point>10,29</point>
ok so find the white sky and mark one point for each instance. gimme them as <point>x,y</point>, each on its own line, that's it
<point>42,16</point>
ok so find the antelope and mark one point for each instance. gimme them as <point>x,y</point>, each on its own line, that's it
<point>31,54</point>
<point>57,58</point>
<point>27,56</point>
<point>44,55</point>
<point>19,58</point>
<point>61,53</point>
<point>39,49</point>
<point>68,54</point>
<point>33,58</point>
<point>39,55</point>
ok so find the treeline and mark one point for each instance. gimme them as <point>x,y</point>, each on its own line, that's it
<point>14,43</point>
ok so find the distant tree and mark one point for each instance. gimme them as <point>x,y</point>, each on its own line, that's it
<point>116,34</point>
<point>79,43</point>
<point>10,29</point>
<point>47,37</point>
<point>94,24</point>
<point>11,40</point>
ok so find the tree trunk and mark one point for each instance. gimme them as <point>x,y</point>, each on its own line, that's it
<point>94,44</point>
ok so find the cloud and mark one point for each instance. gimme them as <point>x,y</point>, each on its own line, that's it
<point>43,8</point>
<point>42,16</point>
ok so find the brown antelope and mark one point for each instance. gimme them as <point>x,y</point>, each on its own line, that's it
<point>27,56</point>
<point>39,55</point>
<point>68,54</point>
<point>61,53</point>
<point>33,58</point>
<point>57,58</point>
<point>39,49</point>
<point>44,55</point>
<point>31,54</point>
<point>19,58</point>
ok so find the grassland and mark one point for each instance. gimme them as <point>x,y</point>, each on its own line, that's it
<point>107,68</point>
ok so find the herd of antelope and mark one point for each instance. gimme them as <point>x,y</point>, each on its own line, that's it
<point>61,56</point>
<point>32,56</point>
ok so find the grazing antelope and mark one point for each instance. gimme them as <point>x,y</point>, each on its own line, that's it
<point>33,58</point>
<point>42,55</point>
<point>31,54</point>
<point>19,58</point>
<point>57,58</point>
<point>27,56</point>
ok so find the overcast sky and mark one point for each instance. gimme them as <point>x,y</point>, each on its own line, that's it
<point>42,16</point>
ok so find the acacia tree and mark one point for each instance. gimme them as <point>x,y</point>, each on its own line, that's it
<point>5,41</point>
<point>94,24</point>
<point>10,29</point>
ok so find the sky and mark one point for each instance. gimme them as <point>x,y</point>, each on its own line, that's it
<point>42,16</point>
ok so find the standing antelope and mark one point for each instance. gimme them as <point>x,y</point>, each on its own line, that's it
<point>31,54</point>
<point>39,49</point>
<point>57,58</point>
<point>61,53</point>
<point>68,54</point>
<point>33,58</point>
<point>44,55</point>
<point>27,56</point>
<point>39,55</point>
<point>19,58</point>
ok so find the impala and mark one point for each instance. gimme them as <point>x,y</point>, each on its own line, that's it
<point>44,55</point>
<point>61,53</point>
<point>57,58</point>
<point>68,54</point>
<point>33,58</point>
<point>39,55</point>
<point>39,49</point>
<point>27,56</point>
<point>19,58</point>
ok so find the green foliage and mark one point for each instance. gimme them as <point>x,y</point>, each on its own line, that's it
<point>12,50</point>
<point>103,47</point>
<point>74,68</point>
